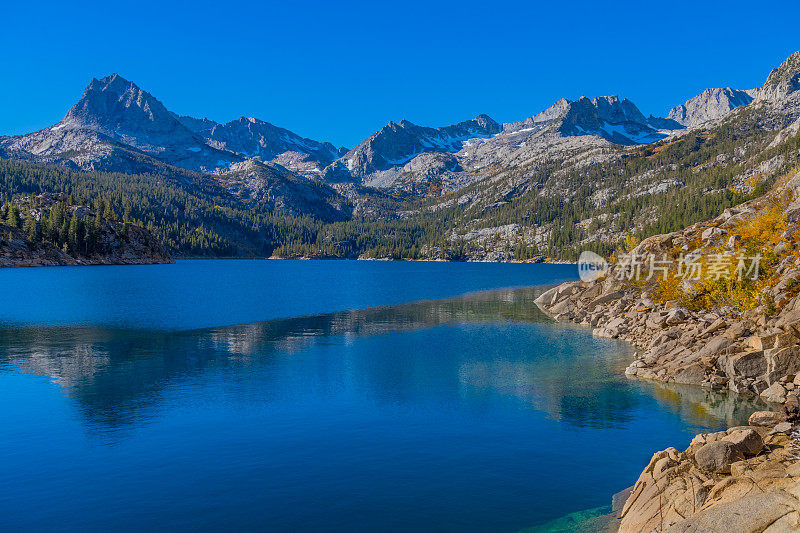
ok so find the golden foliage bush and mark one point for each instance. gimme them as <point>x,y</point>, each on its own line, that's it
<point>757,235</point>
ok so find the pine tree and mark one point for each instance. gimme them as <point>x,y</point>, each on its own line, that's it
<point>56,222</point>
<point>29,226</point>
<point>108,211</point>
<point>74,233</point>
<point>12,216</point>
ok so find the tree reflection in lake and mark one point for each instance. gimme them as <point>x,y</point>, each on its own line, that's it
<point>117,377</point>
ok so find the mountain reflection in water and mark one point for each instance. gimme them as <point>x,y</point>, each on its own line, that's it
<point>117,376</point>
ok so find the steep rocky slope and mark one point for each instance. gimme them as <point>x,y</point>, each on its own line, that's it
<point>696,318</point>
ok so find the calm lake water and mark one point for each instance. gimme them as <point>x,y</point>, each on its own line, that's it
<point>316,396</point>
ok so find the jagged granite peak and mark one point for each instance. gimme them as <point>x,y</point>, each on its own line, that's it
<point>116,106</point>
<point>252,137</point>
<point>616,120</point>
<point>782,81</point>
<point>118,126</point>
<point>709,105</point>
<point>612,109</point>
<point>397,143</point>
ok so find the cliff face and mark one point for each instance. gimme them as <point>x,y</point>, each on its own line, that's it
<point>120,244</point>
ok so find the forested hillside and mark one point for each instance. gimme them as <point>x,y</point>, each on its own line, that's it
<point>582,174</point>
<point>195,217</point>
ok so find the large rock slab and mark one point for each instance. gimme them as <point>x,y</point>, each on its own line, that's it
<point>791,408</point>
<point>781,362</point>
<point>747,364</point>
<point>546,298</point>
<point>692,374</point>
<point>716,457</point>
<point>764,419</point>
<point>604,299</point>
<point>775,393</point>
<point>755,513</point>
<point>746,440</point>
<point>715,346</point>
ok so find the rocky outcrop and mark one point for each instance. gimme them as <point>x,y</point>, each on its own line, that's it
<point>782,81</point>
<point>119,244</point>
<point>745,479</point>
<point>755,351</point>
<point>276,187</point>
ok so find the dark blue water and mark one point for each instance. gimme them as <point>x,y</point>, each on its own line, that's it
<point>473,413</point>
<point>196,294</point>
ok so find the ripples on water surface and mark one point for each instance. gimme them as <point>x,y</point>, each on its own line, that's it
<point>474,413</point>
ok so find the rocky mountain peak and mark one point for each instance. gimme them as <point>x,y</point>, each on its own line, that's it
<point>786,71</point>
<point>709,105</point>
<point>395,144</point>
<point>616,120</point>
<point>488,123</point>
<point>253,137</point>
<point>114,101</point>
<point>615,110</point>
<point>783,80</point>
<point>554,112</point>
<point>119,109</point>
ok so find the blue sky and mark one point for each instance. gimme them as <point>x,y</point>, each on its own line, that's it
<point>338,71</point>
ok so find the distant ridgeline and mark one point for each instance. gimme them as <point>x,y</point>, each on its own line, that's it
<point>45,230</point>
<point>580,175</point>
<point>193,216</point>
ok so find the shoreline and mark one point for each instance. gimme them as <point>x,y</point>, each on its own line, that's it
<point>77,262</point>
<point>382,259</point>
<point>740,475</point>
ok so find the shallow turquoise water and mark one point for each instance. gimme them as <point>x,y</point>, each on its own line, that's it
<point>138,407</point>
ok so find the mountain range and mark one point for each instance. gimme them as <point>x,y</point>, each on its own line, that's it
<point>404,169</point>
<point>118,126</point>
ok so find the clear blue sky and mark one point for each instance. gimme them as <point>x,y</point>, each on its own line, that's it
<point>338,71</point>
